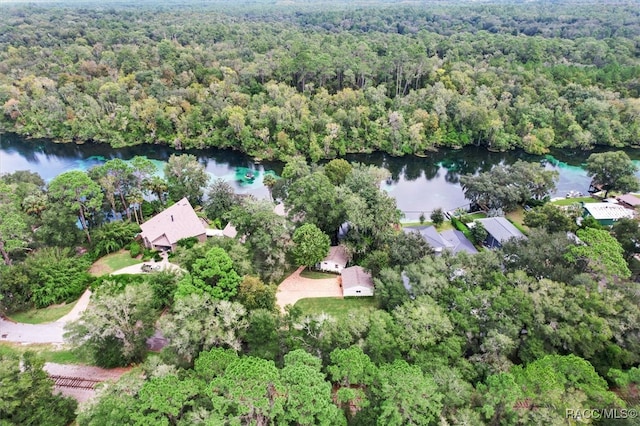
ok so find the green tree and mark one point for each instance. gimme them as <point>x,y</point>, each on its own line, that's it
<point>337,171</point>
<point>213,274</point>
<point>186,177</point>
<point>27,394</point>
<point>406,396</point>
<point>250,389</point>
<point>551,217</point>
<point>613,171</point>
<point>627,232</point>
<point>308,394</point>
<point>311,245</point>
<point>76,191</point>
<point>221,198</point>
<point>255,294</point>
<point>478,232</point>
<point>313,199</point>
<point>601,251</point>
<point>14,233</point>
<point>506,186</point>
<point>115,330</point>
<point>437,216</point>
<point>266,234</point>
<point>198,323</point>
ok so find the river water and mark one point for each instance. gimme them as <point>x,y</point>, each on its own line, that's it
<point>418,184</point>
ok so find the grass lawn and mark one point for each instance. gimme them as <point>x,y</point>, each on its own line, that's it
<point>517,218</point>
<point>48,352</point>
<point>112,262</point>
<point>316,275</point>
<point>336,307</point>
<point>40,316</point>
<point>569,201</point>
<point>443,227</point>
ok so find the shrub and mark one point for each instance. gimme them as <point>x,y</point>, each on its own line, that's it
<point>135,249</point>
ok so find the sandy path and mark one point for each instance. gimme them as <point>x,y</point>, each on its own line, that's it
<point>295,287</point>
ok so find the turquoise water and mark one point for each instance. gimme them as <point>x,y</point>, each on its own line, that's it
<point>419,184</point>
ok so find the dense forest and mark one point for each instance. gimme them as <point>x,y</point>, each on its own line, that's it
<point>322,81</point>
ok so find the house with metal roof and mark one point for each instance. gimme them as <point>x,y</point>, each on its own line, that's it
<point>607,213</point>
<point>164,230</point>
<point>499,231</point>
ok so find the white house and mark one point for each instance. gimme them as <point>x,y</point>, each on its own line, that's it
<point>335,261</point>
<point>356,282</point>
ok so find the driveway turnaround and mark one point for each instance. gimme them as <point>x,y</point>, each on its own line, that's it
<point>295,287</point>
<point>42,333</point>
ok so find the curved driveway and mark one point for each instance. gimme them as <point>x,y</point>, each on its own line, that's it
<point>53,332</point>
<point>42,333</point>
<point>295,287</point>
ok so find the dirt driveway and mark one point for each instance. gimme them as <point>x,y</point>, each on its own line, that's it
<point>295,287</point>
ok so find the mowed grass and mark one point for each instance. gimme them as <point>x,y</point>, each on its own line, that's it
<point>44,315</point>
<point>517,218</point>
<point>112,262</point>
<point>47,352</point>
<point>316,275</point>
<point>569,201</point>
<point>336,307</point>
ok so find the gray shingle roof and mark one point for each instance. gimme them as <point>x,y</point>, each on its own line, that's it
<point>500,228</point>
<point>458,241</point>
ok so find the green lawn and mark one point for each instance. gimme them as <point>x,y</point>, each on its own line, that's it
<point>569,201</point>
<point>517,218</point>
<point>47,352</point>
<point>40,316</point>
<point>316,275</point>
<point>443,227</point>
<point>336,307</point>
<point>112,262</point>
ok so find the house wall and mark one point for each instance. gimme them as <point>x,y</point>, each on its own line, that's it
<point>491,242</point>
<point>357,291</point>
<point>329,267</point>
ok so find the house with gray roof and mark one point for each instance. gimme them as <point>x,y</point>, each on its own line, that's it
<point>451,240</point>
<point>499,231</point>
<point>164,230</point>
<point>457,241</point>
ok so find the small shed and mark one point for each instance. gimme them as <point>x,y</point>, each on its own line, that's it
<point>335,261</point>
<point>356,282</point>
<point>607,213</point>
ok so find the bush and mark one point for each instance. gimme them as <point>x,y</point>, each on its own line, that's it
<point>157,256</point>
<point>187,242</point>
<point>147,254</point>
<point>135,249</point>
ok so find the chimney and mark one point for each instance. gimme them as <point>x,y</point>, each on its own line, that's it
<point>171,218</point>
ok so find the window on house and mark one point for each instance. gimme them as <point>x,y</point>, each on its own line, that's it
<point>358,291</point>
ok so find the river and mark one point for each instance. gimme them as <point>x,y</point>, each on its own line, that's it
<point>418,184</point>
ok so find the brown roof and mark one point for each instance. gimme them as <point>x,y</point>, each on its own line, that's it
<point>175,223</point>
<point>629,199</point>
<point>337,254</point>
<point>355,276</point>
